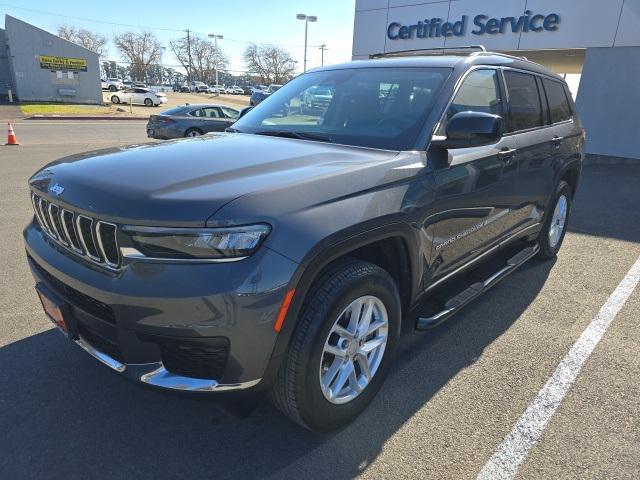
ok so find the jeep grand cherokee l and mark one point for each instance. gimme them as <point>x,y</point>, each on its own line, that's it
<point>283,256</point>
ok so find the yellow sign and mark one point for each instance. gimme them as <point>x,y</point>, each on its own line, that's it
<point>63,63</point>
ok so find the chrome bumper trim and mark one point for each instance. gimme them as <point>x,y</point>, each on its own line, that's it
<point>162,378</point>
<point>101,357</point>
<point>156,375</point>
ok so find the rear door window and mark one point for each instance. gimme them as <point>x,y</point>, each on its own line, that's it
<point>558,102</point>
<point>525,108</point>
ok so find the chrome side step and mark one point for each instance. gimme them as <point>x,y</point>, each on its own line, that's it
<point>455,303</point>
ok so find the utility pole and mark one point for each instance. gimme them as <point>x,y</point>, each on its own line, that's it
<point>189,55</point>
<point>322,48</point>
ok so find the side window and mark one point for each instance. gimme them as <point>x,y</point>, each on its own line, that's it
<point>479,92</point>
<point>558,102</point>
<point>196,113</point>
<point>229,112</point>
<point>525,109</point>
<point>210,112</point>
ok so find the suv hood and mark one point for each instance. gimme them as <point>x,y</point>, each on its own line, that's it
<point>186,181</point>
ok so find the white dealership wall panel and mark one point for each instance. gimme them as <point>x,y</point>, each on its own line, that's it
<point>608,98</point>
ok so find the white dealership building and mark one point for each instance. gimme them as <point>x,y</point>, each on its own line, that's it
<point>598,39</point>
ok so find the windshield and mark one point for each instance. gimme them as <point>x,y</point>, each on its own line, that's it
<point>371,107</point>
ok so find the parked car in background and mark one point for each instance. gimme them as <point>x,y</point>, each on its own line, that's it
<point>139,85</point>
<point>246,89</point>
<point>259,95</point>
<point>191,121</point>
<point>258,88</point>
<point>139,96</point>
<point>112,84</point>
<point>316,97</point>
<point>235,90</point>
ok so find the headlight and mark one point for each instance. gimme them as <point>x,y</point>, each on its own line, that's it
<point>200,243</point>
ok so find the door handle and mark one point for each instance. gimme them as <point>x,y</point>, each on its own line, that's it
<point>557,141</point>
<point>506,154</point>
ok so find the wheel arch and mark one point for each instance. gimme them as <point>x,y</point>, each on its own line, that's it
<point>384,242</point>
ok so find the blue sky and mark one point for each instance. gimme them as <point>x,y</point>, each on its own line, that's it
<point>241,22</point>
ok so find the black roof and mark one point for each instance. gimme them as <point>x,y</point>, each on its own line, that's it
<point>450,61</point>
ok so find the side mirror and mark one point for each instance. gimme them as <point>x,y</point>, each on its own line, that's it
<point>244,111</point>
<point>471,129</point>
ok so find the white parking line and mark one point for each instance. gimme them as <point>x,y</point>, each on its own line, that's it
<point>504,463</point>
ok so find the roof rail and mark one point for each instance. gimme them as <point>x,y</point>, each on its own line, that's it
<point>461,50</point>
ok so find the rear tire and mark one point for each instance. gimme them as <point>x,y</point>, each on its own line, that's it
<point>193,132</point>
<point>113,88</point>
<point>115,99</point>
<point>304,390</point>
<point>557,219</point>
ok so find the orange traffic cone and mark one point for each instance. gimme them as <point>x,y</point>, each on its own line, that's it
<point>11,136</point>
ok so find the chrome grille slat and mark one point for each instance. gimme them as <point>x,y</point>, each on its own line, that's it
<point>87,240</point>
<point>72,235</point>
<point>90,238</point>
<point>54,212</point>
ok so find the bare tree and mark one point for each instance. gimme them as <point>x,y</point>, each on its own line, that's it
<point>199,57</point>
<point>85,38</point>
<point>270,63</point>
<point>140,49</point>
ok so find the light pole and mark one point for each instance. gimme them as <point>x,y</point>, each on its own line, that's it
<point>215,43</point>
<point>162,50</point>
<point>307,19</point>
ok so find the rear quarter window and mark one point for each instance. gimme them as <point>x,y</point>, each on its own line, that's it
<point>559,107</point>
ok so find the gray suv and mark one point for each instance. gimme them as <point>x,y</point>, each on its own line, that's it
<point>283,255</point>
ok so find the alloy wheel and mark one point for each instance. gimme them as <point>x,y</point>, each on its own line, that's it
<point>354,349</point>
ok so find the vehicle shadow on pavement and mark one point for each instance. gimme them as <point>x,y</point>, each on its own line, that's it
<point>65,416</point>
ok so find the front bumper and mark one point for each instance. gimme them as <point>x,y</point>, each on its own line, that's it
<point>130,319</point>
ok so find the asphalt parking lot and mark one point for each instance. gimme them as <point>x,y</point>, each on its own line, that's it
<point>454,395</point>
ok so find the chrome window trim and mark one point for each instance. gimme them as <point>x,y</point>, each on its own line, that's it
<point>81,237</point>
<point>101,247</point>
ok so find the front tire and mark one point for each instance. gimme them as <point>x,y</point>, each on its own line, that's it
<point>341,348</point>
<point>555,225</point>
<point>148,102</point>
<point>115,99</point>
<point>113,88</point>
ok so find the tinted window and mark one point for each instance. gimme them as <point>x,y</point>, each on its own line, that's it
<point>558,102</point>
<point>371,107</point>
<point>525,109</point>
<point>197,113</point>
<point>479,92</point>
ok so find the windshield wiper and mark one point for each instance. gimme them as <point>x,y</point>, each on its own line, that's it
<point>299,135</point>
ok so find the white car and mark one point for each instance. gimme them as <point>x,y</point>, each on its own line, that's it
<point>111,84</point>
<point>235,90</point>
<point>139,96</point>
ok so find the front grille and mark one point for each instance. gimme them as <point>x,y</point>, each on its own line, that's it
<point>79,299</point>
<point>93,239</point>
<point>195,361</point>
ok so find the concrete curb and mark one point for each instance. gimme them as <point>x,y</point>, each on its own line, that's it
<point>595,159</point>
<point>85,117</point>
